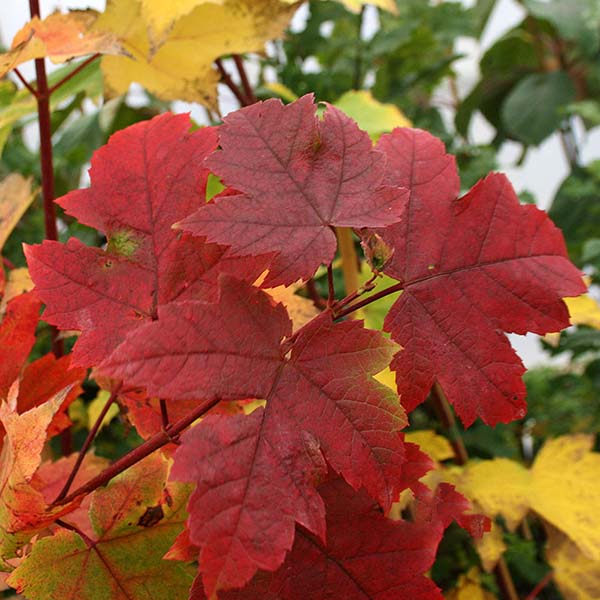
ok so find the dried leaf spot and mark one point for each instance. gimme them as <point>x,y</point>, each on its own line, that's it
<point>152,516</point>
<point>123,242</point>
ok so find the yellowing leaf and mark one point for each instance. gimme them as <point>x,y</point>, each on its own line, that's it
<point>584,310</point>
<point>469,588</point>
<point>59,37</point>
<point>356,5</point>
<point>370,114</point>
<point>179,66</point>
<point>577,576</point>
<point>301,310</point>
<point>563,487</point>
<point>15,197</point>
<point>95,408</point>
<point>17,283</point>
<point>490,547</point>
<point>500,487</point>
<point>281,90</point>
<point>436,446</point>
<point>134,521</point>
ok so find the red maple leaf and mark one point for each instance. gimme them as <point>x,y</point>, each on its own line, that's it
<point>256,474</point>
<point>472,268</point>
<point>367,557</point>
<point>145,179</point>
<point>297,177</point>
<point>17,336</point>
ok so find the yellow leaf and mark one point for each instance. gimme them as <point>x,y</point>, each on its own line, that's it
<point>584,310</point>
<point>281,90</point>
<point>95,408</point>
<point>18,283</point>
<point>301,310</point>
<point>566,489</point>
<point>356,5</point>
<point>577,577</point>
<point>370,114</point>
<point>59,37</point>
<point>15,197</point>
<point>469,588</point>
<point>500,487</point>
<point>563,487</point>
<point>436,446</point>
<point>179,65</point>
<point>490,547</point>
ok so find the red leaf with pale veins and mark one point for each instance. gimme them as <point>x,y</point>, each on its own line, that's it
<point>146,178</point>
<point>472,268</point>
<point>297,177</point>
<point>367,557</point>
<point>17,336</point>
<point>233,349</point>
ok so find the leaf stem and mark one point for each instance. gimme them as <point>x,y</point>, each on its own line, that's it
<point>164,413</point>
<point>239,63</point>
<point>88,541</point>
<point>546,579</point>
<point>74,72</point>
<point>366,301</point>
<point>88,441</point>
<point>148,447</point>
<point>330,286</point>
<point>24,81</point>
<point>446,417</point>
<point>226,79</point>
<point>8,263</point>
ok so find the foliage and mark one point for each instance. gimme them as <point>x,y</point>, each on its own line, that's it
<point>260,440</point>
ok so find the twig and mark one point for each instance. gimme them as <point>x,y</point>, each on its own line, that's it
<point>164,413</point>
<point>382,294</point>
<point>72,74</point>
<point>24,81</point>
<point>226,78</point>
<point>88,441</point>
<point>330,286</point>
<point>239,63</point>
<point>546,579</point>
<point>8,263</point>
<point>148,447</point>
<point>313,293</point>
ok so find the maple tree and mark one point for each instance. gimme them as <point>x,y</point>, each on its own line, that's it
<point>273,462</point>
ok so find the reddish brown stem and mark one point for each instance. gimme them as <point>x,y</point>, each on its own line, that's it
<point>313,293</point>
<point>540,586</point>
<point>24,81</point>
<point>88,442</point>
<point>88,541</point>
<point>368,285</point>
<point>382,294</point>
<point>239,63</point>
<point>226,79</point>
<point>330,286</point>
<point>164,413</point>
<point>148,447</point>
<point>8,263</point>
<point>72,74</point>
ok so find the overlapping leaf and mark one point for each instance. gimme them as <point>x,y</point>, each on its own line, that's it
<point>59,37</point>
<point>146,178</point>
<point>367,557</point>
<point>133,522</point>
<point>173,57</point>
<point>15,197</point>
<point>321,401</point>
<point>297,177</point>
<point>471,268</point>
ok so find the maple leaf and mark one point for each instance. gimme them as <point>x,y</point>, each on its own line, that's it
<point>179,63</point>
<point>23,508</point>
<point>15,197</point>
<point>297,177</point>
<point>17,336</point>
<point>367,557</point>
<point>133,522</point>
<point>274,454</point>
<point>471,268</point>
<point>469,587</point>
<point>147,177</point>
<point>562,486</point>
<point>59,37</point>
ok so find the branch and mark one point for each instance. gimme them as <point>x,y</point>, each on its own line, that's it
<point>88,441</point>
<point>24,81</point>
<point>226,79</point>
<point>162,438</point>
<point>239,63</point>
<point>338,314</point>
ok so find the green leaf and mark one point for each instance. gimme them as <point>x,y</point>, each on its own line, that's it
<point>531,112</point>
